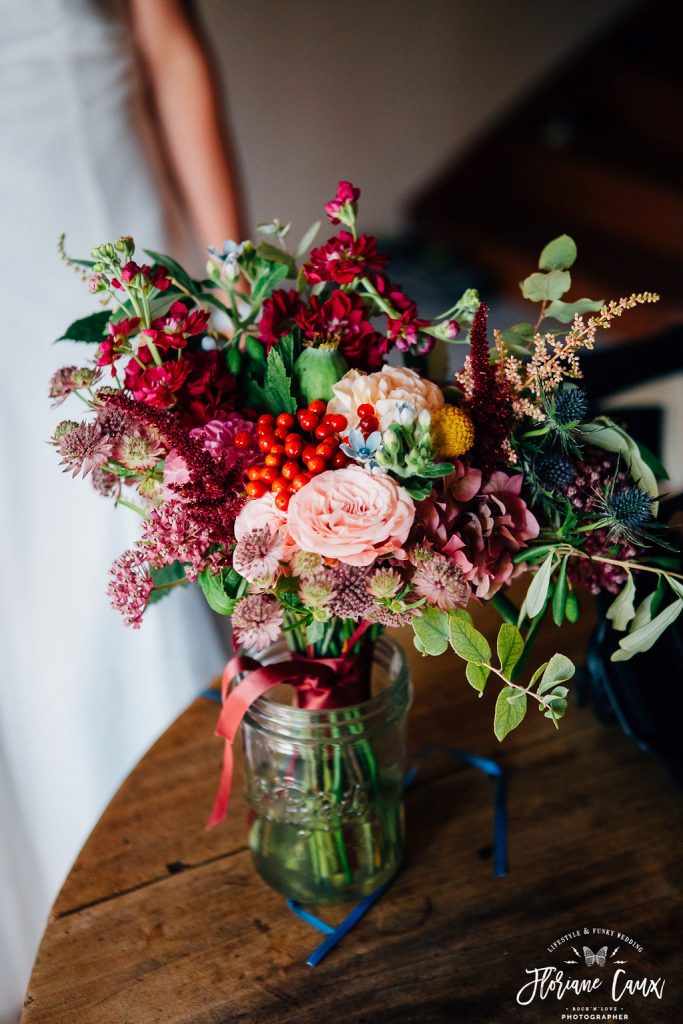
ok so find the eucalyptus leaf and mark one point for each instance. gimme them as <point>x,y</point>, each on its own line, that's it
<point>508,714</point>
<point>560,254</point>
<point>558,670</point>
<point>622,609</point>
<point>467,641</point>
<point>538,588</point>
<point>540,287</point>
<point>173,573</point>
<point>519,335</point>
<point>477,676</point>
<point>510,646</point>
<point>566,311</point>
<point>644,638</point>
<point>676,585</point>
<point>431,629</point>
<point>537,674</point>
<point>560,593</point>
<point>307,239</point>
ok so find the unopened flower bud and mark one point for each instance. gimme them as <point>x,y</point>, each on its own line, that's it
<point>451,330</point>
<point>405,413</point>
<point>424,420</point>
<point>64,428</point>
<point>391,440</point>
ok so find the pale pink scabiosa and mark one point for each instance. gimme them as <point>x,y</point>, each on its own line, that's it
<point>257,621</point>
<point>69,379</point>
<point>440,582</point>
<point>82,446</point>
<point>130,586</point>
<point>258,554</point>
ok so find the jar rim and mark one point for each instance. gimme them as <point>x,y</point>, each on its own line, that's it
<point>391,702</point>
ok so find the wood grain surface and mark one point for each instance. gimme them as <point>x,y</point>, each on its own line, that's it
<point>161,921</point>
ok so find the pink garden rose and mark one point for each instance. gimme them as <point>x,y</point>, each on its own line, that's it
<point>383,390</point>
<point>479,526</point>
<point>351,515</point>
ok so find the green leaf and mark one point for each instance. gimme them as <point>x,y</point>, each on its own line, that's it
<point>431,629</point>
<point>89,329</point>
<point>222,589</point>
<point>173,573</point>
<point>560,254</point>
<point>676,585</point>
<point>307,240</point>
<point>510,645</point>
<point>510,711</point>
<point>268,280</point>
<point>558,670</point>
<point>644,638</point>
<point>651,460</point>
<point>467,641</point>
<point>560,593</point>
<point>622,609</point>
<point>571,607</point>
<point>272,254</point>
<point>278,385</point>
<point>537,674</point>
<point>477,676</point>
<point>538,588</point>
<point>566,311</point>
<point>544,287</point>
<point>519,336</point>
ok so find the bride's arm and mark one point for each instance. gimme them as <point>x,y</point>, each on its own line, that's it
<point>185,95</point>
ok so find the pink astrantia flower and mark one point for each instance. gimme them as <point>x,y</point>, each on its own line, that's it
<point>261,512</point>
<point>347,196</point>
<point>82,446</point>
<point>479,526</point>
<point>351,515</point>
<point>343,258</point>
<point>258,554</point>
<point>130,586</point>
<point>257,621</point>
<point>441,582</point>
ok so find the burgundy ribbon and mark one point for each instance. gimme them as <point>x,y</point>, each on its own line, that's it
<point>320,683</point>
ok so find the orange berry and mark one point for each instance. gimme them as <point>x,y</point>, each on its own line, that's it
<point>256,489</point>
<point>293,449</point>
<point>316,464</point>
<point>254,472</point>
<point>269,474</point>
<point>339,422</point>
<point>318,407</point>
<point>242,439</point>
<point>282,500</point>
<point>272,460</point>
<point>285,419</point>
<point>265,441</point>
<point>290,470</point>
<point>325,451</point>
<point>279,484</point>
<point>339,460</point>
<point>299,481</point>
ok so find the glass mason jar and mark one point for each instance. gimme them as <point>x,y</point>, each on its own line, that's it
<point>325,787</point>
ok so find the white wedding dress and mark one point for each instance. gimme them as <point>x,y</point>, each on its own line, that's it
<point>81,696</point>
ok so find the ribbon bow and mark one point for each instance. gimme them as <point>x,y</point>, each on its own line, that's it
<point>321,684</point>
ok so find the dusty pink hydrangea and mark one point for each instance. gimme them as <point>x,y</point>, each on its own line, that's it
<point>479,525</point>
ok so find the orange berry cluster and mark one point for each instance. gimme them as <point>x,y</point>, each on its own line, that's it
<point>295,448</point>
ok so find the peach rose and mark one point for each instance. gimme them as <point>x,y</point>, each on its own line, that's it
<point>351,515</point>
<point>383,390</point>
<point>260,512</point>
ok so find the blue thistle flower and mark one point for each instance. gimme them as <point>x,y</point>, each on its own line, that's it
<point>630,507</point>
<point>555,469</point>
<point>571,404</point>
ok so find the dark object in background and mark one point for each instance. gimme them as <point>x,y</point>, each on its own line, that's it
<point>638,694</point>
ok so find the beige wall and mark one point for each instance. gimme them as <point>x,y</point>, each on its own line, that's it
<point>383,92</point>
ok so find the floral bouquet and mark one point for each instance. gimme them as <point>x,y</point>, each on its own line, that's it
<point>284,448</point>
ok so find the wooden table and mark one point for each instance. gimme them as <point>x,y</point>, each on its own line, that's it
<point>160,921</point>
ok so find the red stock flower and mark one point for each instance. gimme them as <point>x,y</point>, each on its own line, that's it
<point>404,331</point>
<point>343,258</point>
<point>173,329</point>
<point>342,318</point>
<point>347,195</point>
<point>156,385</point>
<point>116,342</point>
<point>277,316</point>
<point>208,393</point>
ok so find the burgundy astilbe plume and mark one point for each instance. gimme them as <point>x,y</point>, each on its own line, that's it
<point>487,398</point>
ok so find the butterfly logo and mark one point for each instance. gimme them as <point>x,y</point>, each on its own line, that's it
<point>592,959</point>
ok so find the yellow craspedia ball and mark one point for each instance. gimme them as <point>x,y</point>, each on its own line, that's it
<point>452,431</point>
